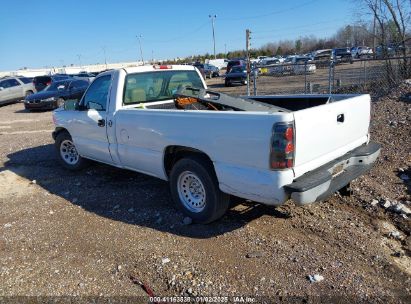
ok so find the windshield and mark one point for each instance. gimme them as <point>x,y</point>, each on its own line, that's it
<point>57,86</point>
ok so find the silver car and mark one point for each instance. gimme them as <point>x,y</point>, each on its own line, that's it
<point>15,89</point>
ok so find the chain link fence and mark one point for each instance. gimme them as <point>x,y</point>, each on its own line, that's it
<point>374,76</point>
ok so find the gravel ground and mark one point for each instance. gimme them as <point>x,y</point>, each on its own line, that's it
<point>102,231</point>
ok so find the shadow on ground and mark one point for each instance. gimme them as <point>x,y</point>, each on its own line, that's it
<point>123,195</point>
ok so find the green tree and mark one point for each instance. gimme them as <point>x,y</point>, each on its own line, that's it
<point>298,45</point>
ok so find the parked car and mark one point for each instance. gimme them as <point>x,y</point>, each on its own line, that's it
<point>284,148</point>
<point>15,89</point>
<point>208,70</point>
<point>212,70</point>
<point>269,61</point>
<point>235,62</point>
<point>361,51</point>
<point>200,68</point>
<point>390,50</point>
<point>40,82</point>
<point>237,74</point>
<point>341,54</point>
<point>322,55</point>
<point>55,94</point>
<point>85,76</point>
<point>295,65</point>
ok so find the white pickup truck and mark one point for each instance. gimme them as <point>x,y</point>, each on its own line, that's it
<point>209,146</point>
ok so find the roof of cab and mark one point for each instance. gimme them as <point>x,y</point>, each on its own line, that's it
<point>149,68</point>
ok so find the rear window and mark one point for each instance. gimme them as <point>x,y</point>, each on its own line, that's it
<point>25,79</point>
<point>157,86</point>
<point>59,78</point>
<point>42,79</point>
<point>233,63</point>
<point>237,69</point>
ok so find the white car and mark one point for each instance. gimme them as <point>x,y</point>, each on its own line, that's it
<point>361,51</point>
<point>209,145</point>
<point>15,89</point>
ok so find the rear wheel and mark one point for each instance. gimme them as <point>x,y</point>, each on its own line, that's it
<point>194,189</point>
<point>28,93</point>
<point>67,152</point>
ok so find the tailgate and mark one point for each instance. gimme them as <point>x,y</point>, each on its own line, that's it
<point>329,131</point>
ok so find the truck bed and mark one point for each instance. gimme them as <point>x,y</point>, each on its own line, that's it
<point>270,103</point>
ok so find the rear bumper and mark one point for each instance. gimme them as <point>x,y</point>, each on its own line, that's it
<point>319,184</point>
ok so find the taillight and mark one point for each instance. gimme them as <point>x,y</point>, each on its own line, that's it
<point>48,83</point>
<point>282,146</point>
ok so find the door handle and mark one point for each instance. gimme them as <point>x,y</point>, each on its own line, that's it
<point>101,123</point>
<point>340,118</point>
<point>110,123</point>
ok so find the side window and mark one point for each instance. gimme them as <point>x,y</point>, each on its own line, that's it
<point>4,84</point>
<point>9,83</point>
<point>97,93</point>
<point>79,84</point>
<point>14,83</point>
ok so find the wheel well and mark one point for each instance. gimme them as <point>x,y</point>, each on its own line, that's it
<point>59,130</point>
<point>172,154</point>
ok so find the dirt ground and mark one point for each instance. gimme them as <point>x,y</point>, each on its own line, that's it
<point>103,231</point>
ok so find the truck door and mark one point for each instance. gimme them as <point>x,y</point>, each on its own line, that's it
<point>88,127</point>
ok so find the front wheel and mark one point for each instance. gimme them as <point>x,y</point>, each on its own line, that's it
<point>67,152</point>
<point>194,189</point>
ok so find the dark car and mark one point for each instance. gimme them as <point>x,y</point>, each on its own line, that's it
<point>55,94</point>
<point>40,82</point>
<point>200,67</point>
<point>341,54</point>
<point>208,70</point>
<point>212,70</point>
<point>235,62</point>
<point>237,74</point>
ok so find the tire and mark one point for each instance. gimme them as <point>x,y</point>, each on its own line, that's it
<point>59,103</point>
<point>28,93</point>
<point>194,189</point>
<point>227,84</point>
<point>67,153</point>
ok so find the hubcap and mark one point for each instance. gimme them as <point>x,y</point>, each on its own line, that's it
<point>191,191</point>
<point>68,152</point>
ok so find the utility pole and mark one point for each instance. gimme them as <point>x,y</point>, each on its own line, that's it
<point>212,24</point>
<point>105,58</point>
<point>374,30</point>
<point>225,49</point>
<point>141,49</point>
<point>247,48</point>
<point>152,56</point>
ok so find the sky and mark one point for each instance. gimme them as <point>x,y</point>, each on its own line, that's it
<point>47,33</point>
